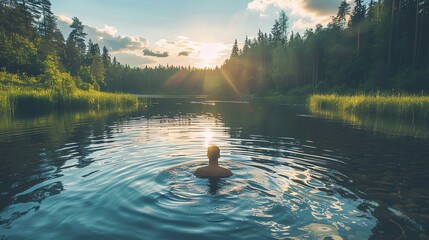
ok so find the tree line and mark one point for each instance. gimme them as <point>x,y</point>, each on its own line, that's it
<point>381,45</point>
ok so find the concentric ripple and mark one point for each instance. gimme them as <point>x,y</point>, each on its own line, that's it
<point>132,178</point>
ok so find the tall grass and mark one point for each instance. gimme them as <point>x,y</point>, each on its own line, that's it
<point>36,100</point>
<point>407,106</point>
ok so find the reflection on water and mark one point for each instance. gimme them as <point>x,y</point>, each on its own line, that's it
<point>128,175</point>
<point>389,125</point>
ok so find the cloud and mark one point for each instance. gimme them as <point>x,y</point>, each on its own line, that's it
<point>148,52</point>
<point>303,7</point>
<point>184,53</point>
<point>133,60</point>
<point>106,36</point>
<point>301,25</point>
<point>65,19</point>
<point>324,7</point>
<point>302,13</point>
<point>109,30</point>
<point>136,51</point>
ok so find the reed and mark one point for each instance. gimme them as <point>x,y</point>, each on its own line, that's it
<point>408,106</point>
<point>36,100</point>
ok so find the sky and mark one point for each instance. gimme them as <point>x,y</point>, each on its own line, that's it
<point>196,33</point>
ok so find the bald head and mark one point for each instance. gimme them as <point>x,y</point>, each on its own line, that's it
<point>213,152</point>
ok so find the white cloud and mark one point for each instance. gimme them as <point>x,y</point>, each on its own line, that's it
<point>65,19</point>
<point>198,54</point>
<point>108,30</point>
<point>301,25</point>
<point>303,13</point>
<point>130,49</point>
<point>127,49</point>
<point>259,5</point>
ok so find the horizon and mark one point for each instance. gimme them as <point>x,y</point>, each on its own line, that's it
<point>159,33</point>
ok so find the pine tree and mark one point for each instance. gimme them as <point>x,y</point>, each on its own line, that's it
<point>105,57</point>
<point>276,33</point>
<point>247,45</point>
<point>48,23</point>
<point>283,21</point>
<point>235,50</point>
<point>78,35</point>
<point>97,70</point>
<point>358,14</point>
<point>72,57</point>
<point>341,18</point>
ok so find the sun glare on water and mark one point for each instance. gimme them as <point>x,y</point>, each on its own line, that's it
<point>208,135</point>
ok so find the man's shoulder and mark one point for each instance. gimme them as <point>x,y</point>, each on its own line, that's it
<point>212,172</point>
<point>226,172</point>
<point>200,171</point>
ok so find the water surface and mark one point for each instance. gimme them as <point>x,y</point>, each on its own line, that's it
<point>129,175</point>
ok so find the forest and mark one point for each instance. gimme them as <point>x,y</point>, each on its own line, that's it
<point>379,46</point>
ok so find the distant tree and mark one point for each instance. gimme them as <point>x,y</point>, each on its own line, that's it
<point>105,57</point>
<point>115,61</point>
<point>78,35</point>
<point>72,56</point>
<point>235,50</point>
<point>276,33</point>
<point>284,25</point>
<point>247,45</point>
<point>92,50</point>
<point>358,13</point>
<point>97,70</point>
<point>343,11</point>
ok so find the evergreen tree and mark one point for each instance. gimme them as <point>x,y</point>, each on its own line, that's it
<point>78,35</point>
<point>235,50</point>
<point>283,21</point>
<point>358,13</point>
<point>247,45</point>
<point>97,70</point>
<point>341,18</point>
<point>276,32</point>
<point>72,57</point>
<point>105,57</point>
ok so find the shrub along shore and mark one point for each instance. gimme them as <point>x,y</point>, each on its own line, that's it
<point>407,106</point>
<point>23,94</point>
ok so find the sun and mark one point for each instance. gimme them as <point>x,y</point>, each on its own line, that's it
<point>209,54</point>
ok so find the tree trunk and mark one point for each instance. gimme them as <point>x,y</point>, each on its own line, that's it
<point>317,68</point>
<point>358,40</point>
<point>389,57</point>
<point>415,35</point>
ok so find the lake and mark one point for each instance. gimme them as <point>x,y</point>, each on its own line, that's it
<point>298,174</point>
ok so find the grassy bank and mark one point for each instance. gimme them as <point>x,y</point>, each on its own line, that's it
<point>407,106</point>
<point>35,100</point>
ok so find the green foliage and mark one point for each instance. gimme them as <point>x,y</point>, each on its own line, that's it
<point>86,75</point>
<point>59,82</point>
<point>17,53</point>
<point>97,70</point>
<point>72,58</point>
<point>77,34</point>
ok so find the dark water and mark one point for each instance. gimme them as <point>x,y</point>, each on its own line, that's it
<point>129,175</point>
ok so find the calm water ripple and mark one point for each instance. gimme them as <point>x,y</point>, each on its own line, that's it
<point>131,177</point>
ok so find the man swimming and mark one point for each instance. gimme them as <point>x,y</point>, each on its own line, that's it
<point>213,170</point>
